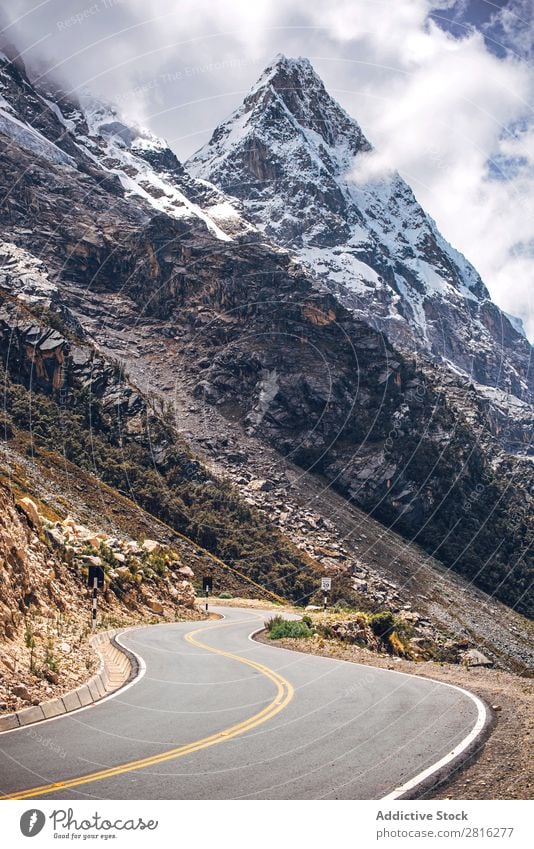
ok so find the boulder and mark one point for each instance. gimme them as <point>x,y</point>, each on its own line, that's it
<point>8,662</point>
<point>30,508</point>
<point>51,676</point>
<point>260,485</point>
<point>409,616</point>
<point>186,571</point>
<point>55,536</point>
<point>474,657</point>
<point>22,692</point>
<point>154,606</point>
<point>69,554</point>
<point>80,532</point>
<point>151,546</point>
<point>92,559</point>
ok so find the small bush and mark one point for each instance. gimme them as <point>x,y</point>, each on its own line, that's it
<point>382,624</point>
<point>397,645</point>
<point>50,658</point>
<point>110,561</point>
<point>158,565</point>
<point>273,622</point>
<point>225,595</point>
<point>287,628</point>
<point>29,640</point>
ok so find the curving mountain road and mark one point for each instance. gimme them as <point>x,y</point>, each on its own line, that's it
<point>219,716</point>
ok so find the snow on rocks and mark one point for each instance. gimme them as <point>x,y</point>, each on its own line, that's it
<point>297,163</point>
<point>143,162</point>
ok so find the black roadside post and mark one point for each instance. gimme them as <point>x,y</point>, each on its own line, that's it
<point>326,586</point>
<point>207,584</point>
<point>95,588</point>
<point>95,579</point>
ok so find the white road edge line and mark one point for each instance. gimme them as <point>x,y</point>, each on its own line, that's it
<point>478,727</point>
<point>395,794</point>
<point>141,669</point>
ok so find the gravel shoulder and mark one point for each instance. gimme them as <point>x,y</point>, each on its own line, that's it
<point>502,767</point>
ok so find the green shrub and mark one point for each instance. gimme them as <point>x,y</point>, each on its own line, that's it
<point>157,564</point>
<point>288,628</point>
<point>105,552</point>
<point>29,640</point>
<point>273,621</point>
<point>225,595</point>
<point>50,658</point>
<point>382,624</point>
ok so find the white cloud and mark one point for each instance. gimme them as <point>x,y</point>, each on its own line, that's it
<point>441,126</point>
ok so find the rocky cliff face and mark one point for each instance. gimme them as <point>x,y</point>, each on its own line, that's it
<point>292,156</point>
<point>45,603</point>
<point>243,326</point>
<point>28,569</point>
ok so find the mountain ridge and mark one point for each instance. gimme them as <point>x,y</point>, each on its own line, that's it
<point>372,243</point>
<point>239,325</point>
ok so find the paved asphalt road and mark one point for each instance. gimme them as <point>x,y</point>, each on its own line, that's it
<point>239,719</point>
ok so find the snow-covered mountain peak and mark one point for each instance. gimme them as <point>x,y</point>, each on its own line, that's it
<point>89,134</point>
<point>289,154</point>
<point>295,84</point>
<point>290,106</point>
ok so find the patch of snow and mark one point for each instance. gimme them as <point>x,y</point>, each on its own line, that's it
<point>223,210</point>
<point>30,139</point>
<point>5,105</point>
<point>146,142</point>
<point>57,111</point>
<point>432,281</point>
<point>516,323</point>
<point>453,367</point>
<point>341,266</point>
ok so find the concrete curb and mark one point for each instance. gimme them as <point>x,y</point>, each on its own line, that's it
<point>118,667</point>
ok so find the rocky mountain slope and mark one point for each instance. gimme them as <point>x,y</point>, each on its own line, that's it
<point>101,281</point>
<point>297,163</point>
<point>45,603</point>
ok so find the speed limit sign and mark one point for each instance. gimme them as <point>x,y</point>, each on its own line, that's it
<point>326,584</point>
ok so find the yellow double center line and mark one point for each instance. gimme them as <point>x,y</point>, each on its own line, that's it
<point>284,694</point>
